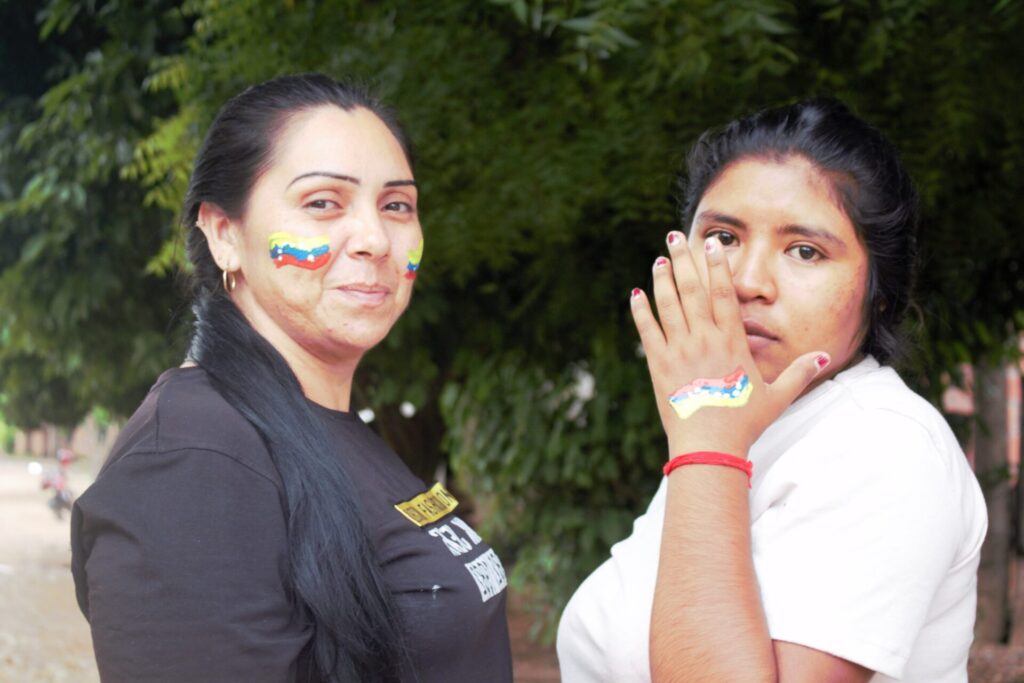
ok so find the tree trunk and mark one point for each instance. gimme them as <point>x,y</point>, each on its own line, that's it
<point>992,467</point>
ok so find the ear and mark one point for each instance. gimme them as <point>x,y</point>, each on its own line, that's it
<point>222,234</point>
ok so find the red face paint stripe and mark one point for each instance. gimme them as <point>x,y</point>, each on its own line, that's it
<point>289,260</point>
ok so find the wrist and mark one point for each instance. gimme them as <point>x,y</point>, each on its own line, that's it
<point>735,447</point>
<point>712,458</point>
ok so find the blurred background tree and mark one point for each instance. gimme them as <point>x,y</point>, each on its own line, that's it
<point>548,138</point>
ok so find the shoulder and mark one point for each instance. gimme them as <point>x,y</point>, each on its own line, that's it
<point>187,459</point>
<point>877,443</point>
<point>184,413</point>
<point>874,413</point>
<point>883,394</point>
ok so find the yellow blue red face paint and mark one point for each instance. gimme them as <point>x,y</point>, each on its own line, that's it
<point>310,253</point>
<point>731,391</point>
<point>415,256</point>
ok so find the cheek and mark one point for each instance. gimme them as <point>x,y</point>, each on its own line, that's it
<point>829,313</point>
<point>286,250</point>
<point>413,258</point>
<point>847,323</point>
<point>847,316</point>
<point>296,299</point>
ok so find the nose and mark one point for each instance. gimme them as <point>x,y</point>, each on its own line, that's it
<point>366,234</point>
<point>752,275</point>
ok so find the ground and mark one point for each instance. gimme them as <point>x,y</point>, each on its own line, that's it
<point>45,639</point>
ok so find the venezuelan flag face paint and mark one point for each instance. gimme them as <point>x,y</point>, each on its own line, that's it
<point>415,256</point>
<point>731,391</point>
<point>310,253</point>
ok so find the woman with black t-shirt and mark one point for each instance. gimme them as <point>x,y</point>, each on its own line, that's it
<point>247,526</point>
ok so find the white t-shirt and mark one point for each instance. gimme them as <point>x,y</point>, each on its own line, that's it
<point>866,525</point>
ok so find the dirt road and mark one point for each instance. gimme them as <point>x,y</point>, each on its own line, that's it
<point>43,636</point>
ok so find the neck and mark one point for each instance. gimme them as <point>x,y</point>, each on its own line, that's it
<point>328,383</point>
<point>325,378</point>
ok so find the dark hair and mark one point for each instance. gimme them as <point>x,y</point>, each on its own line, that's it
<point>333,570</point>
<point>867,176</point>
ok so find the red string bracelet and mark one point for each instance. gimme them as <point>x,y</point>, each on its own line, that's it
<point>711,458</point>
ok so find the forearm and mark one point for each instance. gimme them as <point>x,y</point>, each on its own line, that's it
<point>707,622</point>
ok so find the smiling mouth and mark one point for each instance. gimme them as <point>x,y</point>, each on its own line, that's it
<point>367,295</point>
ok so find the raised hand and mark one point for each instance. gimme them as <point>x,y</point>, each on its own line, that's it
<point>709,391</point>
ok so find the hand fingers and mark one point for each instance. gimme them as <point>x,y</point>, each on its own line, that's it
<point>670,311</point>
<point>725,306</point>
<point>692,296</point>
<point>796,377</point>
<point>651,336</point>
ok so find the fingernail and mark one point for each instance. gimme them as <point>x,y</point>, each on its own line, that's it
<point>660,262</point>
<point>711,245</point>
<point>635,293</point>
<point>822,361</point>
<point>674,237</point>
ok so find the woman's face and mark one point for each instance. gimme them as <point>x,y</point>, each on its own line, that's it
<point>799,268</point>
<point>330,239</point>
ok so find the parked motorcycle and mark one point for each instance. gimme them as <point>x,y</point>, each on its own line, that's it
<point>57,480</point>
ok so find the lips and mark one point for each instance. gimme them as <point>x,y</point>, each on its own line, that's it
<point>367,294</point>
<point>758,336</point>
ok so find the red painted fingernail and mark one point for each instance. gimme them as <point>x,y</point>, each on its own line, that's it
<point>821,361</point>
<point>660,262</point>
<point>711,245</point>
<point>636,292</point>
<point>673,237</point>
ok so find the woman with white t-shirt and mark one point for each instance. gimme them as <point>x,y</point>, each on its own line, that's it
<point>818,520</point>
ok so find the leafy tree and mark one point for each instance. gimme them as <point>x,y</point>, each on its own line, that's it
<point>82,320</point>
<point>548,138</point>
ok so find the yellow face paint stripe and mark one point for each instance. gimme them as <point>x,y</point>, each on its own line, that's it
<point>280,239</point>
<point>415,256</point>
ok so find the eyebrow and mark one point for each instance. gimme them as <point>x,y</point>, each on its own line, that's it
<point>348,179</point>
<point>716,217</point>
<point>812,233</point>
<point>789,229</point>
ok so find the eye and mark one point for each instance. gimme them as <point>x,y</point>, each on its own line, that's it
<point>322,205</point>
<point>399,207</point>
<point>726,238</point>
<point>805,252</point>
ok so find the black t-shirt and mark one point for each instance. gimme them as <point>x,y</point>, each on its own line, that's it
<point>180,558</point>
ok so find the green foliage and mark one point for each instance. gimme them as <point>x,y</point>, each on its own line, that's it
<point>82,321</point>
<point>562,466</point>
<point>7,436</point>
<point>548,135</point>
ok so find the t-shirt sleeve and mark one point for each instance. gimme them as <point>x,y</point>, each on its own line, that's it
<point>850,557</point>
<point>180,564</point>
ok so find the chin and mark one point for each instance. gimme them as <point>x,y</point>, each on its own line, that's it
<point>372,337</point>
<point>361,344</point>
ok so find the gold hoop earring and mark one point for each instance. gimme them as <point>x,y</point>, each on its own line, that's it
<point>228,278</point>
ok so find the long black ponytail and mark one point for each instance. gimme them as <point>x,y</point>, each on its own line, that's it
<point>333,570</point>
